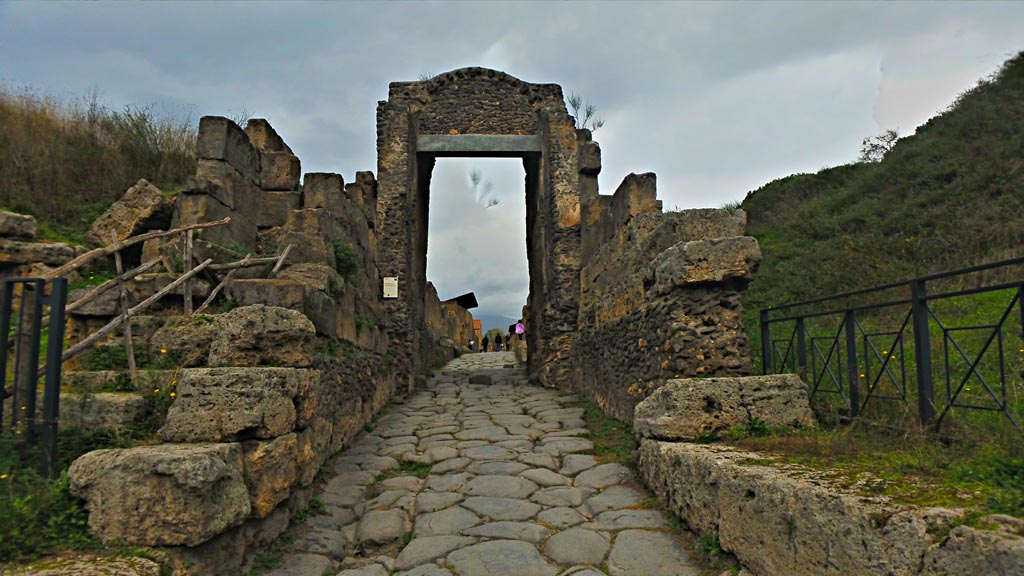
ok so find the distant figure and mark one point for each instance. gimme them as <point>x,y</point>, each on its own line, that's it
<point>485,342</point>
<point>520,328</point>
<point>508,341</point>
<point>471,342</point>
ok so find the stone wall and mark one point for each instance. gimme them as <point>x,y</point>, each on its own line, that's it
<point>268,391</point>
<point>783,520</point>
<point>659,293</point>
<point>450,326</point>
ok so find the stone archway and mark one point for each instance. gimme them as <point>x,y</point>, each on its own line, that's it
<point>479,112</point>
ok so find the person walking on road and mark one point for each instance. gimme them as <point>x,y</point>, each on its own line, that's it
<point>484,343</point>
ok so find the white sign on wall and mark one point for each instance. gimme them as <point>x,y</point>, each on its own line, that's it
<point>391,286</point>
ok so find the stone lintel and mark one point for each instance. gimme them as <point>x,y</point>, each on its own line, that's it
<point>477,143</point>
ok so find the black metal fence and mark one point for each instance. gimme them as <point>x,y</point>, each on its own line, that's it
<point>20,341</point>
<point>927,354</point>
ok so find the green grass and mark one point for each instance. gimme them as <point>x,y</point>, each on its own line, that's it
<point>613,440</point>
<point>406,468</point>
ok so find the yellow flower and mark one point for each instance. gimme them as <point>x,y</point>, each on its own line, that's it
<point>861,375</point>
<point>156,390</point>
<point>885,352</point>
<point>173,394</point>
<point>3,476</point>
<point>163,350</point>
<point>23,407</point>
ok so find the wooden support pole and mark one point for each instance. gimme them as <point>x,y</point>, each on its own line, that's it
<point>280,260</point>
<point>129,347</point>
<point>187,288</point>
<point>220,286</point>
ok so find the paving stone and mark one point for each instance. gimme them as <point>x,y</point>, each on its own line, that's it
<point>391,499</point>
<point>496,467</point>
<point>499,486</point>
<point>448,521</point>
<point>330,543</point>
<point>578,546</point>
<point>573,464</point>
<point>614,520</point>
<point>487,453</point>
<point>446,429</point>
<point>502,508</point>
<point>540,460</point>
<point>447,482</point>
<point>354,478</point>
<point>395,441</point>
<point>434,501</point>
<point>525,531</point>
<point>398,451</point>
<point>562,496</point>
<point>559,446</point>
<point>518,446</point>
<point>407,483</point>
<point>603,476</point>
<point>614,498</point>
<point>582,571</point>
<point>489,433</point>
<point>368,570</point>
<point>427,570</point>
<point>422,550</point>
<point>344,495</point>
<point>382,526</point>
<point>544,477</point>
<point>505,557</point>
<point>648,553</point>
<point>561,518</point>
<point>303,564</point>
<point>568,432</point>
<point>452,465</point>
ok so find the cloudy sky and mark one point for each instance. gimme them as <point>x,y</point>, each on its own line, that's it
<point>716,98</point>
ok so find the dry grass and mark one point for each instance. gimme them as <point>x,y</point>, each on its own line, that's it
<point>66,161</point>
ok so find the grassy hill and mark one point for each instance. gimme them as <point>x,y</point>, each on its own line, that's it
<point>65,161</point>
<point>949,196</point>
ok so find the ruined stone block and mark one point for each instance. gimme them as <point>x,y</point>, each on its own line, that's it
<point>263,136</point>
<point>270,472</point>
<point>686,409</point>
<point>276,206</point>
<point>590,159</point>
<point>292,294</point>
<point>322,189</point>
<point>705,261</point>
<point>163,495</point>
<point>229,404</point>
<point>279,171</point>
<point>312,448</point>
<point>141,209</point>
<point>261,335</point>
<point>101,410</point>
<point>13,252</point>
<point>17,225</point>
<point>221,139</point>
<point>197,208</point>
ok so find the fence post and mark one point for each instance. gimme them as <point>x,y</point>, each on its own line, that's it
<point>6,304</point>
<point>852,374</point>
<point>801,349</point>
<point>766,344</point>
<point>51,390</point>
<point>922,352</point>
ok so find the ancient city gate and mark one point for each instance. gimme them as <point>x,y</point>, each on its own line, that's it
<point>481,113</point>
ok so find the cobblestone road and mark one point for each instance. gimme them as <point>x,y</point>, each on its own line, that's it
<point>510,491</point>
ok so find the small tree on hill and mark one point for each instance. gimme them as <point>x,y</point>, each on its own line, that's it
<point>875,148</point>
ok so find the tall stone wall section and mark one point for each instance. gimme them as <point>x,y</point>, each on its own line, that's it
<point>268,391</point>
<point>477,101</point>
<point>659,292</point>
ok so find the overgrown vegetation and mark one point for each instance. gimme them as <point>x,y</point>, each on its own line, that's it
<point>344,259</point>
<point>65,161</point>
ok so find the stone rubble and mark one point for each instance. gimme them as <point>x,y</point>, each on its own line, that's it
<point>506,493</point>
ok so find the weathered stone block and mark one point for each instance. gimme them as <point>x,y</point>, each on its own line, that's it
<point>263,136</point>
<point>14,252</point>
<point>17,225</point>
<point>164,495</point>
<point>217,404</point>
<point>222,139</point>
<point>688,408</point>
<point>705,261</point>
<point>186,339</point>
<point>262,335</point>
<point>322,189</point>
<point>101,410</point>
<point>276,206</point>
<point>312,448</point>
<point>293,294</point>
<point>142,208</point>
<point>270,472</point>
<point>197,208</point>
<point>108,303</point>
<point>279,171</point>
<point>590,159</point>
<point>971,551</point>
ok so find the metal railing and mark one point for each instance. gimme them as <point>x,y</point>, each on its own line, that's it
<point>825,341</point>
<point>21,424</point>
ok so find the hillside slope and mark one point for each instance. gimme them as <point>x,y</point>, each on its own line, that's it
<point>949,196</point>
